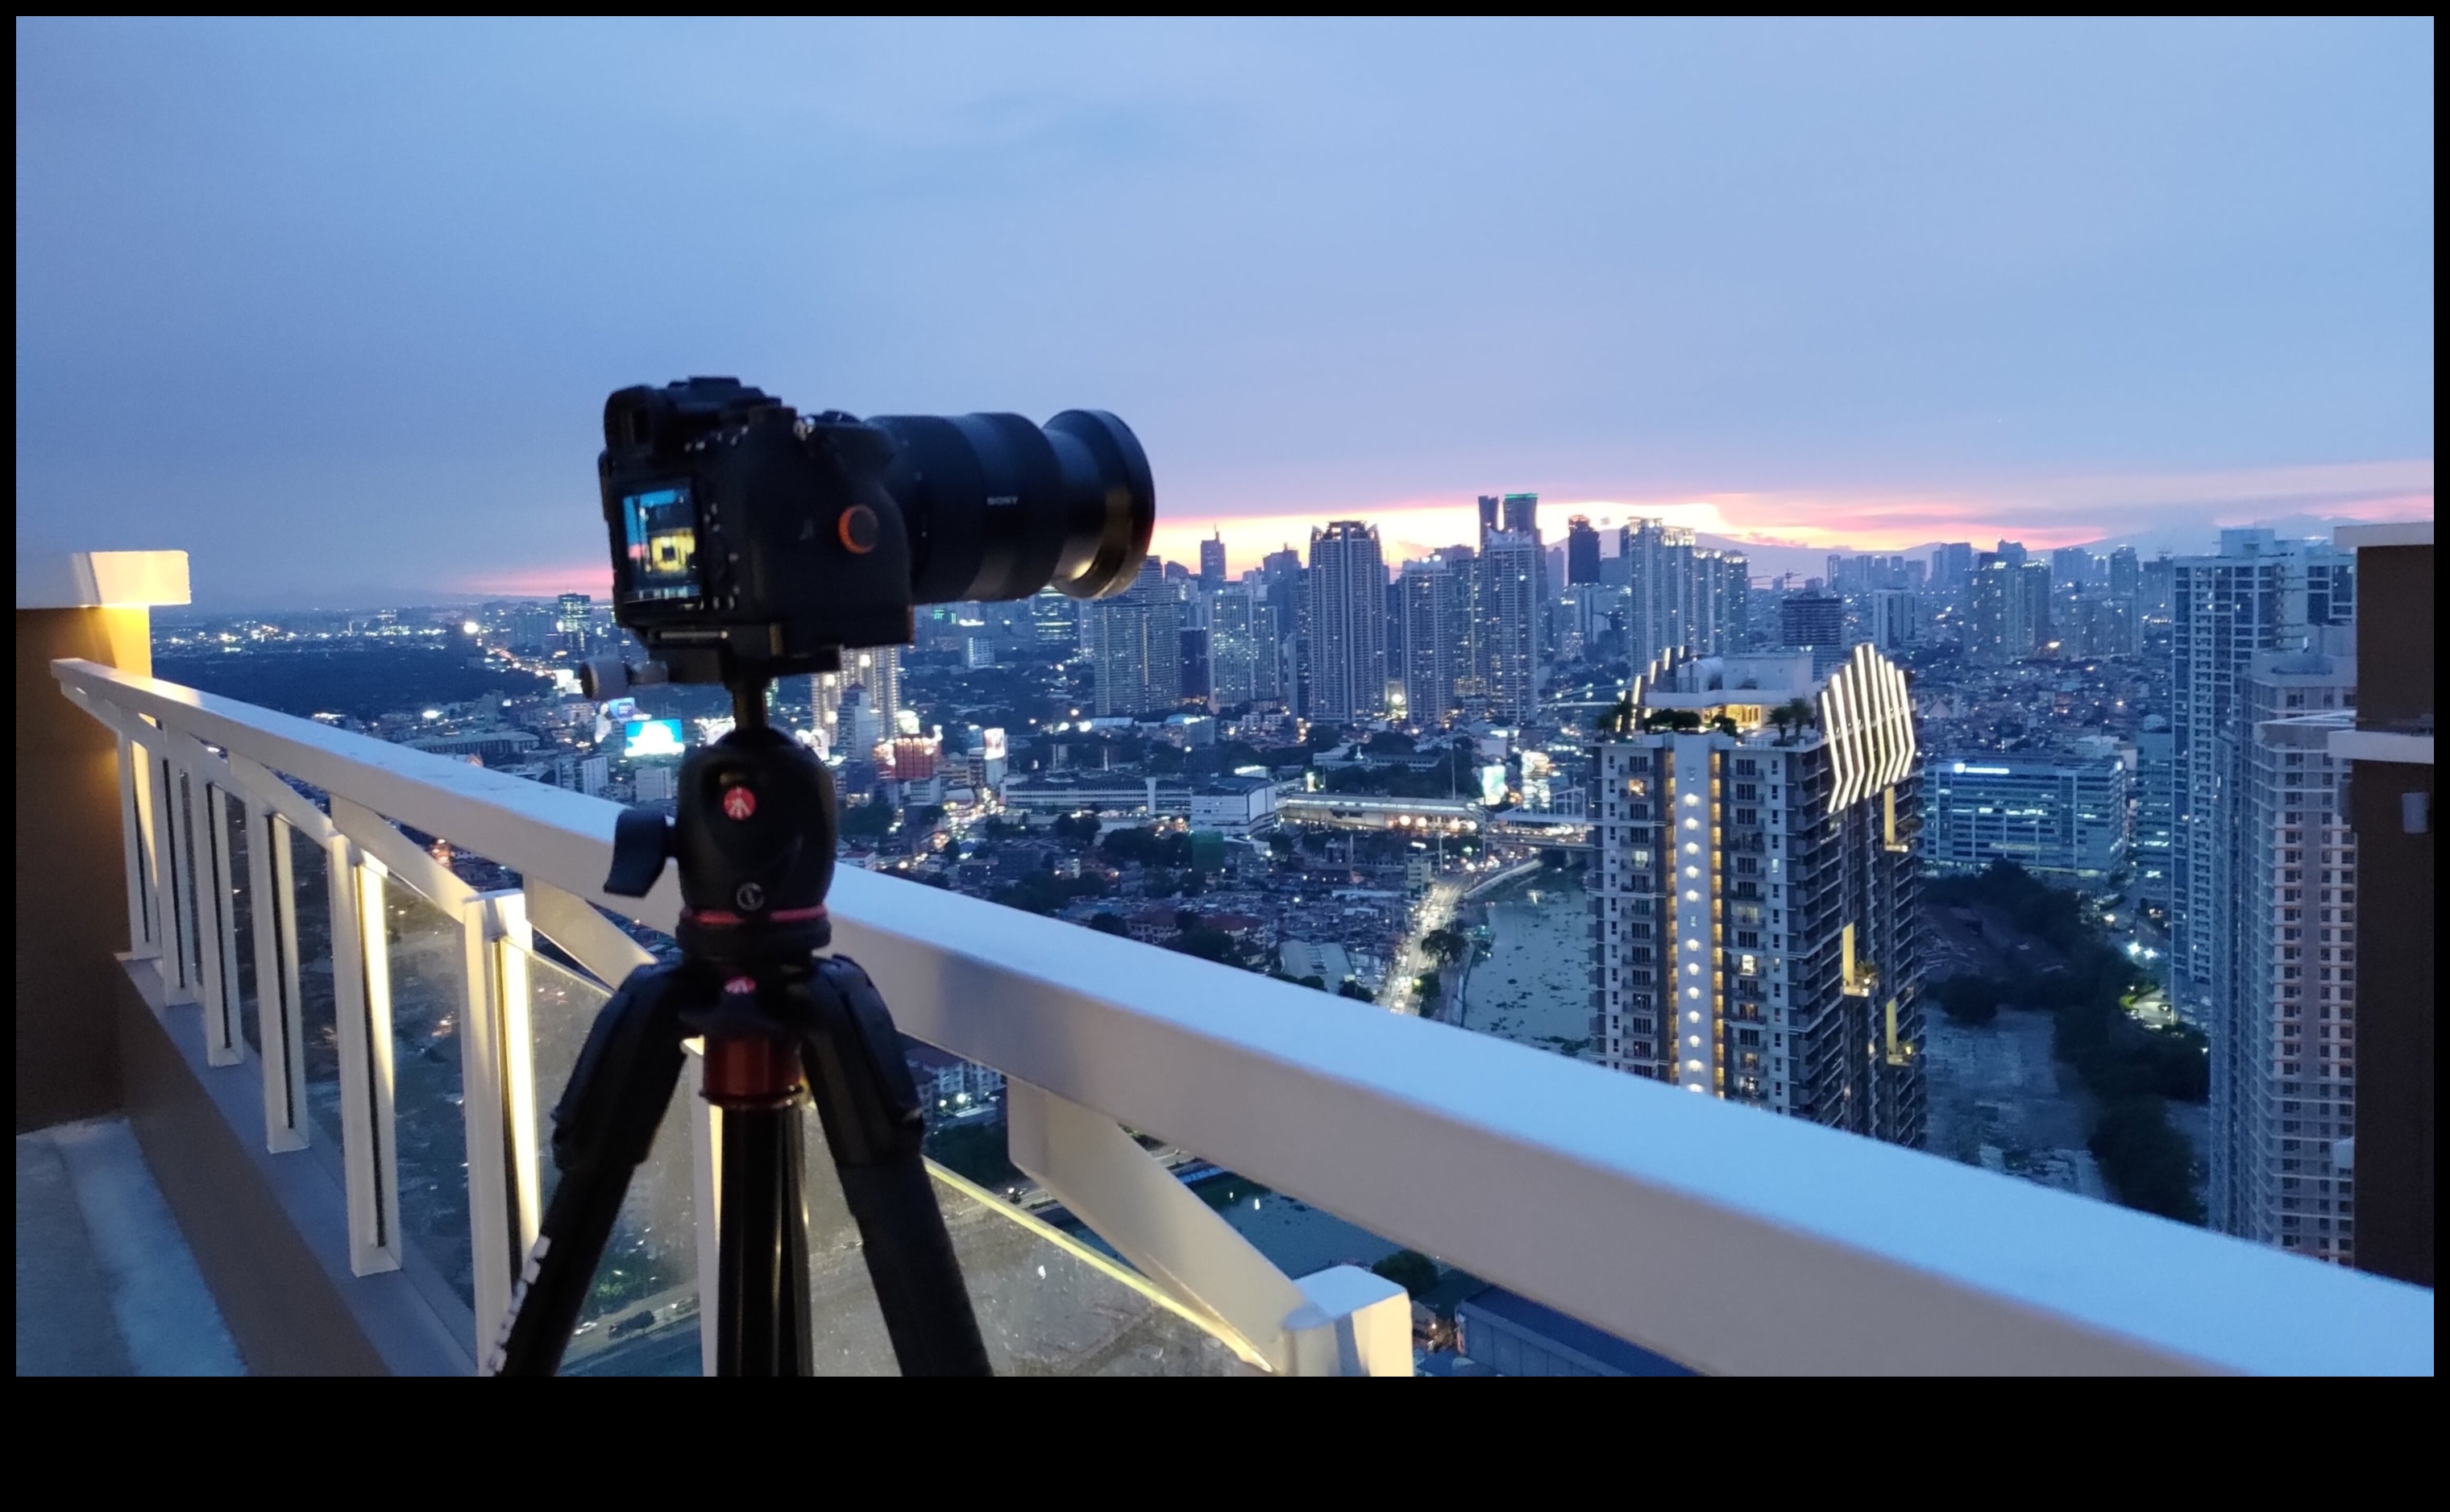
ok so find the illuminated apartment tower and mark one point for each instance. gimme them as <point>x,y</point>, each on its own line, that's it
<point>1755,897</point>
<point>2283,1025</point>
<point>1680,597</point>
<point>1135,638</point>
<point>876,668</point>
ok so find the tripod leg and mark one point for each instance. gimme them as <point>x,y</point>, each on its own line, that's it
<point>603,1128</point>
<point>762,1308</point>
<point>873,1125</point>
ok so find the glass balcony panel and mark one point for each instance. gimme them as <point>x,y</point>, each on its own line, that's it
<point>318,1030</point>
<point>1047,1304</point>
<point>642,1317</point>
<point>428,977</point>
<point>242,915</point>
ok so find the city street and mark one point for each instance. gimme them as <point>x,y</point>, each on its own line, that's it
<point>1434,911</point>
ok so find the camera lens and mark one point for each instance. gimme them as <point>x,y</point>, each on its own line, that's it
<point>999,508</point>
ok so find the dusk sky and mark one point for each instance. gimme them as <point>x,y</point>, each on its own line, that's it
<point>334,307</point>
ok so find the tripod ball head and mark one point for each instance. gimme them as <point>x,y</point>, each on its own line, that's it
<point>753,832</point>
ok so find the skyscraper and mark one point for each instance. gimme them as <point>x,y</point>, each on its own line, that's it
<point>1897,618</point>
<point>1243,653</point>
<point>1679,597</point>
<point>877,670</point>
<point>1522,512</point>
<point>2006,611</point>
<point>1348,628</point>
<point>1437,640</point>
<point>2258,595</point>
<point>1137,640</point>
<point>570,622</point>
<point>1755,899</point>
<point>2126,572</point>
<point>2283,1033</point>
<point>1582,552</point>
<point>1211,563</point>
<point>2070,567</point>
<point>1816,622</point>
<point>1509,591</point>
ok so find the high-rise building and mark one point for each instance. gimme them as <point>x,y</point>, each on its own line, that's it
<point>2126,572</point>
<point>1816,622</point>
<point>2007,611</point>
<point>2156,776</point>
<point>1436,596</point>
<point>1582,552</point>
<point>1054,619</point>
<point>2283,1031</point>
<point>1347,624</point>
<point>2258,595</point>
<point>1949,564</point>
<point>1137,640</point>
<point>1897,618</point>
<point>1507,583</point>
<point>1755,899</point>
<point>2063,816</point>
<point>1211,563</point>
<point>570,622</point>
<point>2071,567</point>
<point>1680,597</point>
<point>1488,517</point>
<point>1522,514</point>
<point>877,670</point>
<point>1243,648</point>
<point>2388,762</point>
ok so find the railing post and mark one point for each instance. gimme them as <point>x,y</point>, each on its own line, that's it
<point>362,1016</point>
<point>169,894</point>
<point>143,941</point>
<point>278,1024</point>
<point>493,928</point>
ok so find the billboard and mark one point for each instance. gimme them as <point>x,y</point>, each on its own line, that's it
<point>651,737</point>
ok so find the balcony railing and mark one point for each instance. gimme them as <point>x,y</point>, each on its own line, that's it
<point>1728,1239</point>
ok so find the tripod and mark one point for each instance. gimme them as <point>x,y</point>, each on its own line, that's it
<point>754,839</point>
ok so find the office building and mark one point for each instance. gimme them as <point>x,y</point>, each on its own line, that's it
<point>2063,816</point>
<point>1522,515</point>
<point>2282,1029</point>
<point>1489,521</point>
<point>2256,596</point>
<point>1347,624</point>
<point>1756,900</point>
<point>1211,563</point>
<point>1582,552</point>
<point>1949,564</point>
<point>1507,581</point>
<point>1136,642</point>
<point>2071,567</point>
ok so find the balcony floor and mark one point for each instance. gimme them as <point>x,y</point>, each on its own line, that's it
<point>105,1283</point>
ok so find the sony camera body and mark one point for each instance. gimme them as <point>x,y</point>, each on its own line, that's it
<point>749,539</point>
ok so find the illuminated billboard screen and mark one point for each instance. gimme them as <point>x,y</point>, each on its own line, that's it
<point>651,737</point>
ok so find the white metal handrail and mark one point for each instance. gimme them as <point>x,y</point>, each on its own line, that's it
<point>1729,1239</point>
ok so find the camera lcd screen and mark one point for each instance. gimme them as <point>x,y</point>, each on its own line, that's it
<point>662,528</point>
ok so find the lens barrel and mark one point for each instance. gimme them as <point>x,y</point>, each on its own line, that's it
<point>997,508</point>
